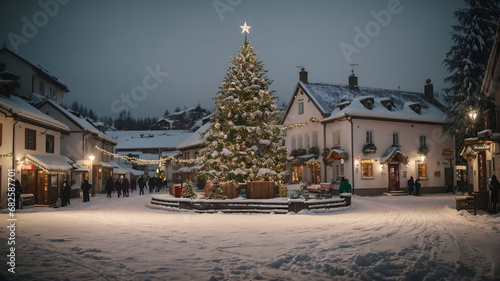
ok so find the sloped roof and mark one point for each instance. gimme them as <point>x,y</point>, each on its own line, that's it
<point>162,139</point>
<point>328,96</point>
<point>85,125</point>
<point>40,70</point>
<point>18,106</point>
<point>195,139</point>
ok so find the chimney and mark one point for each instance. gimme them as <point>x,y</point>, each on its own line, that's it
<point>303,75</point>
<point>353,81</point>
<point>428,90</point>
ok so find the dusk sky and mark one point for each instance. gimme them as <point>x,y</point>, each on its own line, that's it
<point>149,56</point>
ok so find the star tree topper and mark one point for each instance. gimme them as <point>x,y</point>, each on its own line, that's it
<point>245,28</point>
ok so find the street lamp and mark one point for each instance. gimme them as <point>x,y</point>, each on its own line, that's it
<point>91,157</point>
<point>473,115</point>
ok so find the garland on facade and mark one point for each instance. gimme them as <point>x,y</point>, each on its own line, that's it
<point>300,125</point>
<point>45,170</point>
<point>150,162</point>
<point>6,156</point>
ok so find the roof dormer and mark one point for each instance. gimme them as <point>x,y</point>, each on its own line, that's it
<point>388,103</point>
<point>368,102</point>
<point>344,104</point>
<point>416,107</point>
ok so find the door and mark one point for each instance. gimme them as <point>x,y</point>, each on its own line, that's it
<point>28,181</point>
<point>393,177</point>
<point>481,166</point>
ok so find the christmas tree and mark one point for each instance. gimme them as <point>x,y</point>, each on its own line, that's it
<point>466,61</point>
<point>188,191</point>
<point>215,190</point>
<point>244,141</point>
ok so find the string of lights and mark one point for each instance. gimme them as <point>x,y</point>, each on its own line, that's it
<point>300,125</point>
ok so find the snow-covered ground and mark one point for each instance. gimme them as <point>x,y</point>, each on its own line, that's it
<point>377,238</point>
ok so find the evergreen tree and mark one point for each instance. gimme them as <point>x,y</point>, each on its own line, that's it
<point>244,141</point>
<point>188,191</point>
<point>467,61</point>
<point>215,190</point>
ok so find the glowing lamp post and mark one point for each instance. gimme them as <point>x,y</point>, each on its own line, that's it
<point>91,157</point>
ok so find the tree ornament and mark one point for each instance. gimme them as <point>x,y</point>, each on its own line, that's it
<point>244,115</point>
<point>243,147</point>
<point>230,116</point>
<point>254,161</point>
<point>221,135</point>
<point>217,167</point>
<point>217,125</point>
<point>278,166</point>
<point>238,138</point>
<point>233,165</point>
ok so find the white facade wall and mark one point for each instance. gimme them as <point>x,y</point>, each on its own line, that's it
<point>382,132</point>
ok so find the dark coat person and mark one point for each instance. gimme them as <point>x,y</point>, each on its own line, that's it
<point>411,186</point>
<point>494,187</point>
<point>142,184</point>
<point>118,187</point>
<point>86,188</point>
<point>125,187</point>
<point>109,187</point>
<point>65,194</point>
<point>417,187</point>
<point>17,193</point>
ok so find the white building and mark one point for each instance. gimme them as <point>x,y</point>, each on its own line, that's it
<point>33,77</point>
<point>376,138</point>
<point>30,146</point>
<point>81,144</point>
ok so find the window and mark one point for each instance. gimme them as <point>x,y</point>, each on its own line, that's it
<point>30,139</point>
<point>422,170</point>
<point>338,172</point>
<point>294,143</point>
<point>366,169</point>
<point>315,139</point>
<point>422,141</point>
<point>1,133</point>
<point>395,139</point>
<point>301,107</point>
<point>369,105</point>
<point>49,144</point>
<point>299,142</point>
<point>3,67</point>
<point>336,138</point>
<point>308,141</point>
<point>369,137</point>
<point>42,88</point>
<point>297,171</point>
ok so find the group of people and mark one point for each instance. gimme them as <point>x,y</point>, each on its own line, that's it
<point>124,187</point>
<point>414,187</point>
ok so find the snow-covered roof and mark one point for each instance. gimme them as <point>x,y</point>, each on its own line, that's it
<point>40,70</point>
<point>162,139</point>
<point>195,139</point>
<point>81,122</point>
<point>328,96</point>
<point>429,112</point>
<point>18,106</point>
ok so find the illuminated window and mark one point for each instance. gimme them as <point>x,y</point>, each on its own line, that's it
<point>366,169</point>
<point>297,173</point>
<point>301,108</point>
<point>422,170</point>
<point>49,144</point>
<point>30,139</point>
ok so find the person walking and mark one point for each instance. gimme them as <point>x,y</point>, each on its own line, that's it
<point>65,194</point>
<point>125,187</point>
<point>85,188</point>
<point>133,184</point>
<point>151,183</point>
<point>118,187</point>
<point>411,185</point>
<point>417,187</point>
<point>494,187</point>
<point>109,187</point>
<point>142,184</point>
